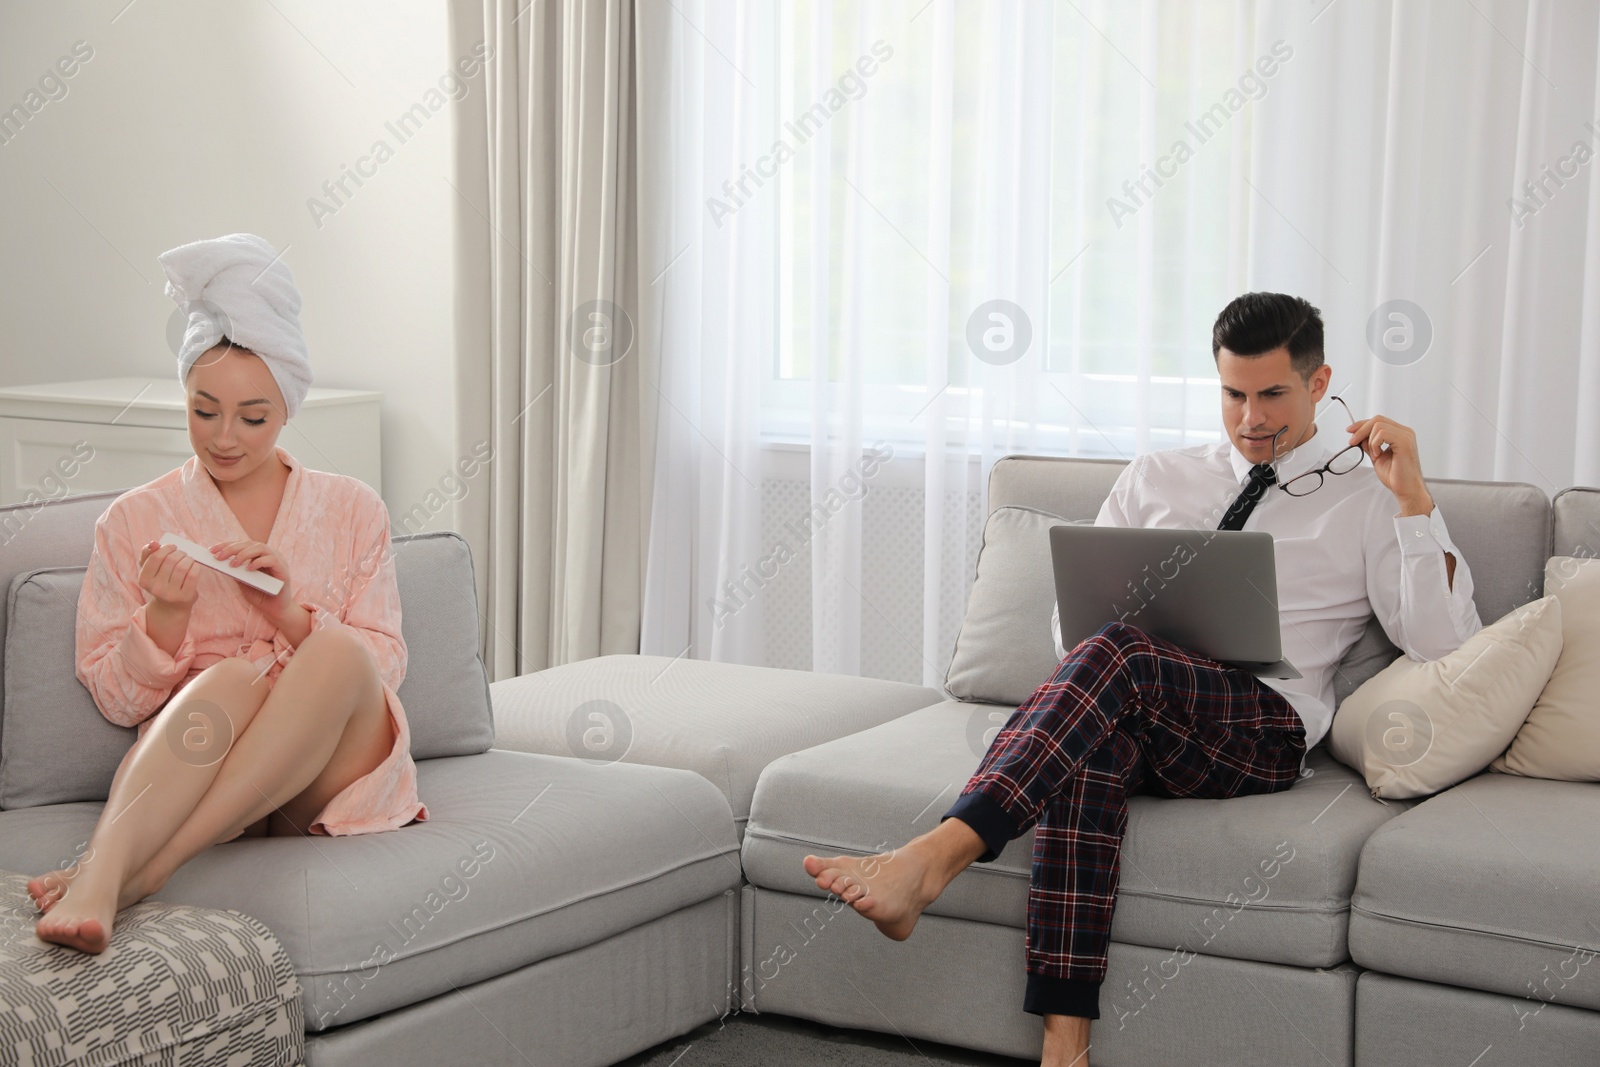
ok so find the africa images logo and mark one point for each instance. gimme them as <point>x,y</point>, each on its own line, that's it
<point>1251,85</point>
<point>848,87</point>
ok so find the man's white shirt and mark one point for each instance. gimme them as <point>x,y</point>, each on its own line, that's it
<point>1343,554</point>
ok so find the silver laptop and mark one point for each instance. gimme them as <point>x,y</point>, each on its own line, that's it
<point>1214,592</point>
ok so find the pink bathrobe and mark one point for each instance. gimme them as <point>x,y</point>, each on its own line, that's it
<point>333,532</point>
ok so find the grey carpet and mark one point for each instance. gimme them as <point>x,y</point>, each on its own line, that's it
<point>750,1040</point>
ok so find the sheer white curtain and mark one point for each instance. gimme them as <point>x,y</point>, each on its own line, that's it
<point>1396,165</point>
<point>920,236</point>
<point>713,309</point>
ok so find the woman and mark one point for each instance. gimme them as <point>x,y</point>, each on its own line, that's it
<point>258,715</point>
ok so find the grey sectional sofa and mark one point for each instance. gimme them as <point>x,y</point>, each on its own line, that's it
<point>646,844</point>
<point>1316,926</point>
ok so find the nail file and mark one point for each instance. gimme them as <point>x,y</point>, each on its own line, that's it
<point>264,582</point>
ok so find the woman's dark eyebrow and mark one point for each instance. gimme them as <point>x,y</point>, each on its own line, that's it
<point>242,403</point>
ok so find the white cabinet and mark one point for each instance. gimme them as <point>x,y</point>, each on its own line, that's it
<point>116,433</point>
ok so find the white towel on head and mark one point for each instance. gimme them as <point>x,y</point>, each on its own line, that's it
<point>237,286</point>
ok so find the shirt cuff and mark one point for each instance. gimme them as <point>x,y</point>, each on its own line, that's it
<point>1423,535</point>
<point>148,660</point>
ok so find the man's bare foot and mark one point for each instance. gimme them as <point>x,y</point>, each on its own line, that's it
<point>893,888</point>
<point>889,888</point>
<point>82,917</point>
<point>1066,1041</point>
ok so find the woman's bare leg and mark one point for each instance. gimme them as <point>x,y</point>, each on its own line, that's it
<point>324,725</point>
<point>154,791</point>
<point>329,725</point>
<point>46,889</point>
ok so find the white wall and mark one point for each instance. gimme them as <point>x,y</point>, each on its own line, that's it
<point>193,119</point>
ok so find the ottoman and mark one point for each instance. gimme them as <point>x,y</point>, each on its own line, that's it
<point>724,721</point>
<point>179,985</point>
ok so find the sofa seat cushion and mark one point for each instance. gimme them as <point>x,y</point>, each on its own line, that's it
<point>1263,878</point>
<point>524,857</point>
<point>725,721</point>
<point>1489,885</point>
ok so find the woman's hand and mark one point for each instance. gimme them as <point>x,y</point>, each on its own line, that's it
<point>170,577</point>
<point>257,556</point>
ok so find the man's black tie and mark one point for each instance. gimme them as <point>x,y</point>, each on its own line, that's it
<point>1261,476</point>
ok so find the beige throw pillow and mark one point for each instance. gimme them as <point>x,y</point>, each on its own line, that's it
<point>1561,738</point>
<point>1416,728</point>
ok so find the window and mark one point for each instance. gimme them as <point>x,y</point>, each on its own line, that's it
<point>906,164</point>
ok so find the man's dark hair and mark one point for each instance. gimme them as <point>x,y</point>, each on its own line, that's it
<point>1257,323</point>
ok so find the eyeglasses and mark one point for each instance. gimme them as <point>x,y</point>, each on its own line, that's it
<point>1344,462</point>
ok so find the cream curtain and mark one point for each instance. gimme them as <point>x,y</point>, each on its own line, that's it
<point>555,371</point>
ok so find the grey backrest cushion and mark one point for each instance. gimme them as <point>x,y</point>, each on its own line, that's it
<point>57,747</point>
<point>1071,488</point>
<point>59,533</point>
<point>1502,528</point>
<point>1005,650</point>
<point>1503,532</point>
<point>446,690</point>
<point>1577,522</point>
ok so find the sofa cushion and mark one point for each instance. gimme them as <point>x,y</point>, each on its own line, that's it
<point>446,688</point>
<point>1503,532</point>
<point>1489,885</point>
<point>524,857</point>
<point>59,533</point>
<point>1576,516</point>
<point>1417,728</point>
<point>1561,737</point>
<point>59,748</point>
<point>722,720</point>
<point>1070,487</point>
<point>1261,877</point>
<point>1005,649</point>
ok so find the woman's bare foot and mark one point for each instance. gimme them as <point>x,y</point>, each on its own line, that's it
<point>893,888</point>
<point>140,886</point>
<point>47,889</point>
<point>82,917</point>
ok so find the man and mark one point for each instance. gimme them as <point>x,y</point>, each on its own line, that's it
<point>1126,711</point>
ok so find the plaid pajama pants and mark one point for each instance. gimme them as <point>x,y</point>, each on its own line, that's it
<point>1125,712</point>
